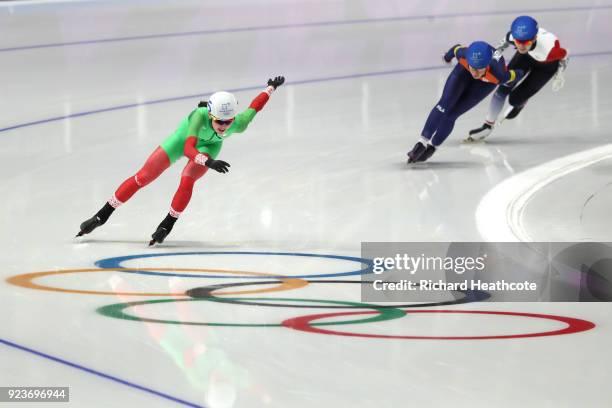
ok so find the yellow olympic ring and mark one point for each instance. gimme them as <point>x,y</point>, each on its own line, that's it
<point>26,281</point>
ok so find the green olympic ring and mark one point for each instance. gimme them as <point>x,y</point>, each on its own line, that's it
<point>117,311</point>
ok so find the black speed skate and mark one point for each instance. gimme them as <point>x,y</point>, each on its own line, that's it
<point>162,230</point>
<point>429,151</point>
<point>89,225</point>
<point>159,235</point>
<point>416,152</point>
<point>421,153</point>
<point>479,134</point>
<point>94,222</point>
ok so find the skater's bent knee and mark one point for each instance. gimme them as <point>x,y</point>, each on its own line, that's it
<point>502,91</point>
<point>143,178</point>
<point>516,101</point>
<point>187,181</point>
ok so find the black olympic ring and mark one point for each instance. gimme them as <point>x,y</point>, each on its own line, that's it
<point>206,292</point>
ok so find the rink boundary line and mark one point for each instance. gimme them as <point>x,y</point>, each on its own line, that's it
<point>499,215</point>
<point>251,88</point>
<point>233,90</point>
<point>13,3</point>
<point>99,374</point>
<point>329,23</point>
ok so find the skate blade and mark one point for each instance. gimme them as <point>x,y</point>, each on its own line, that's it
<point>152,242</point>
<point>410,161</point>
<point>471,139</point>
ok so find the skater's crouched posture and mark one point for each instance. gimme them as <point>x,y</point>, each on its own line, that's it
<point>476,75</point>
<point>199,137</point>
<point>540,55</point>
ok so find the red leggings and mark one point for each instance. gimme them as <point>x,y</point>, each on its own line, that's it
<point>155,165</point>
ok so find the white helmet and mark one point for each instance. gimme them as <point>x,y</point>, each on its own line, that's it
<point>222,105</point>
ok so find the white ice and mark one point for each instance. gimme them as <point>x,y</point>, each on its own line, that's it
<point>320,170</point>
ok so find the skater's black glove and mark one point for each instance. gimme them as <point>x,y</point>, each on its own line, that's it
<point>450,54</point>
<point>218,165</point>
<point>276,82</point>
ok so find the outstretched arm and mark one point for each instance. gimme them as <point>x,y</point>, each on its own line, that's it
<point>260,101</point>
<point>243,119</point>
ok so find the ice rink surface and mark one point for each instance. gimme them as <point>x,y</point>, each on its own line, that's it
<point>90,88</point>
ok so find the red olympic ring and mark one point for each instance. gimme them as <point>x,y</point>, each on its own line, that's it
<point>303,323</point>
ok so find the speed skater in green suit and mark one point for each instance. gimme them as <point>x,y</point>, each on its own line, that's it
<point>199,137</point>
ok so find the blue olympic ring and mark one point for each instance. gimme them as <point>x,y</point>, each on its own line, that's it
<point>116,262</point>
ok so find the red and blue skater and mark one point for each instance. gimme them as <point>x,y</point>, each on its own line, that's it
<point>476,75</point>
<point>540,55</point>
